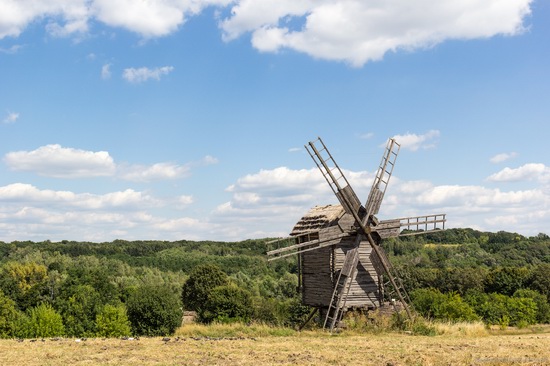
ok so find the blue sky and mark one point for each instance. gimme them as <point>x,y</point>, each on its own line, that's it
<point>187,119</point>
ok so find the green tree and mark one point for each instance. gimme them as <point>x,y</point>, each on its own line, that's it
<point>42,321</point>
<point>199,285</point>
<point>112,321</point>
<point>9,316</point>
<point>154,311</point>
<point>79,310</point>
<point>227,303</point>
<point>543,308</point>
<point>25,283</point>
<point>506,280</point>
<point>539,280</point>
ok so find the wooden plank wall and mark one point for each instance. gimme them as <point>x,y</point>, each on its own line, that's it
<point>317,277</point>
<point>318,269</point>
<point>364,290</point>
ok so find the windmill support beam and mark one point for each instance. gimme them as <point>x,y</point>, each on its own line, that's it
<point>305,247</point>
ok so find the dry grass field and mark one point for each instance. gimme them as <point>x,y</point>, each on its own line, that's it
<point>456,346</point>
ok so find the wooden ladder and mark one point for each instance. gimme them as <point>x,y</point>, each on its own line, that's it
<point>336,309</point>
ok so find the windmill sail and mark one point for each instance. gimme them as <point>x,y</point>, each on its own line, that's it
<point>382,178</point>
<point>334,176</point>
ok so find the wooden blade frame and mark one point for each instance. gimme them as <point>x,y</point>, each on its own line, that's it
<point>347,197</point>
<point>334,176</point>
<point>382,178</point>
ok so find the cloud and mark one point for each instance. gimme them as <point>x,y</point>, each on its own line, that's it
<point>61,162</point>
<point>208,160</point>
<point>359,31</point>
<point>158,171</point>
<point>527,172</point>
<point>414,142</point>
<point>11,117</point>
<point>499,158</point>
<point>39,214</point>
<point>27,195</point>
<point>106,72</point>
<point>352,31</point>
<point>62,17</point>
<point>366,136</point>
<point>143,73</point>
<point>266,203</point>
<point>281,196</point>
<point>12,50</point>
<point>184,201</point>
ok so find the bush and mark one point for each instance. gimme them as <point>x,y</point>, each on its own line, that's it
<point>436,305</point>
<point>112,321</point>
<point>154,311</point>
<point>227,304</point>
<point>42,321</point>
<point>503,310</point>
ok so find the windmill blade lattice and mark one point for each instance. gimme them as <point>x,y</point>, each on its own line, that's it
<point>382,178</point>
<point>334,176</point>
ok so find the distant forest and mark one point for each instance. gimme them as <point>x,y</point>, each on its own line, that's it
<point>121,288</point>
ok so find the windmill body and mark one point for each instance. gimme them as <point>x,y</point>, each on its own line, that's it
<point>319,268</point>
<point>341,263</point>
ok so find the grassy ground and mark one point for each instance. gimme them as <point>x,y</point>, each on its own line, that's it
<point>263,347</point>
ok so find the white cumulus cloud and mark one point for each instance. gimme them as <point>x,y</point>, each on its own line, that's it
<point>360,31</point>
<point>528,172</point>
<point>27,195</point>
<point>499,158</point>
<point>352,31</point>
<point>61,162</point>
<point>143,74</point>
<point>156,171</point>
<point>414,142</point>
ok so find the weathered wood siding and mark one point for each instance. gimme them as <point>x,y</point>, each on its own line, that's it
<point>320,267</point>
<point>317,277</point>
<point>364,290</point>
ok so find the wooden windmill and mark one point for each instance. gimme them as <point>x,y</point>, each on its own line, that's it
<point>341,264</point>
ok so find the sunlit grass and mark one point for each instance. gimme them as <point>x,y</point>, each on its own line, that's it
<point>217,330</point>
<point>463,329</point>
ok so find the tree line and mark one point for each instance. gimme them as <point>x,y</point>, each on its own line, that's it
<point>121,288</point>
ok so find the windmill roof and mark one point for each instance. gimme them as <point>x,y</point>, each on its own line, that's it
<point>317,218</point>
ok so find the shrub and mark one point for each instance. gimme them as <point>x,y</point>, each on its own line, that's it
<point>112,321</point>
<point>436,305</point>
<point>504,310</point>
<point>42,321</point>
<point>154,311</point>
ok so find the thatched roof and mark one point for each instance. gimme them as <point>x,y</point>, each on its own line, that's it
<point>317,218</point>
